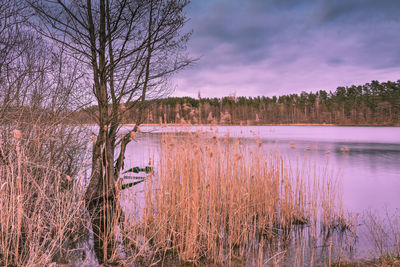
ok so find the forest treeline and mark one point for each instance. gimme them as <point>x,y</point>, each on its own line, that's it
<point>373,103</point>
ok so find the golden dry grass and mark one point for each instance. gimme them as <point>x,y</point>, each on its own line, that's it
<point>221,199</point>
<point>41,216</point>
<point>214,200</point>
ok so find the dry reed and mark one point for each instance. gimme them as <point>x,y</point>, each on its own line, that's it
<point>216,200</point>
<point>41,216</point>
<point>220,200</point>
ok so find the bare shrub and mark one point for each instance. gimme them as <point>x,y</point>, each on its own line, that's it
<point>383,231</point>
<point>41,214</point>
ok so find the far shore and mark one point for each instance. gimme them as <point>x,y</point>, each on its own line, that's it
<point>258,124</point>
<point>265,124</point>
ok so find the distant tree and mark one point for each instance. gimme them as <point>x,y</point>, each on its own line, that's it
<point>372,103</point>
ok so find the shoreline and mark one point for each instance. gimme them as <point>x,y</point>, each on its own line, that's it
<point>266,124</point>
<point>260,124</point>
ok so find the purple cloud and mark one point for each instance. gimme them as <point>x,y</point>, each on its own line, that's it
<point>278,47</point>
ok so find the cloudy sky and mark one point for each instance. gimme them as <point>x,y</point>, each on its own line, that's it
<point>274,47</point>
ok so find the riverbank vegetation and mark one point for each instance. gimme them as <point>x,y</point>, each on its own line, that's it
<point>209,200</point>
<point>223,201</point>
<point>41,216</point>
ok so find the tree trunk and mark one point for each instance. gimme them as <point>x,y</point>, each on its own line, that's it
<point>102,203</point>
<point>102,215</point>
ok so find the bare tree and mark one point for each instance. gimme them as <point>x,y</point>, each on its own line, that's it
<point>131,47</point>
<point>36,97</point>
<point>12,46</point>
<point>36,93</point>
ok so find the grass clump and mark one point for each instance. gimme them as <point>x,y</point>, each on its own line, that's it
<point>223,201</point>
<point>220,200</point>
<point>41,216</point>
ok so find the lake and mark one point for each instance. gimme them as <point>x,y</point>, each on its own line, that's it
<point>365,159</point>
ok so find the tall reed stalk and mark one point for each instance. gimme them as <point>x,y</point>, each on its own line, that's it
<point>41,216</point>
<point>211,199</point>
<point>218,199</point>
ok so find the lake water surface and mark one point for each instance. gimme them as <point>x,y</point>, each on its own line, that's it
<point>366,158</point>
